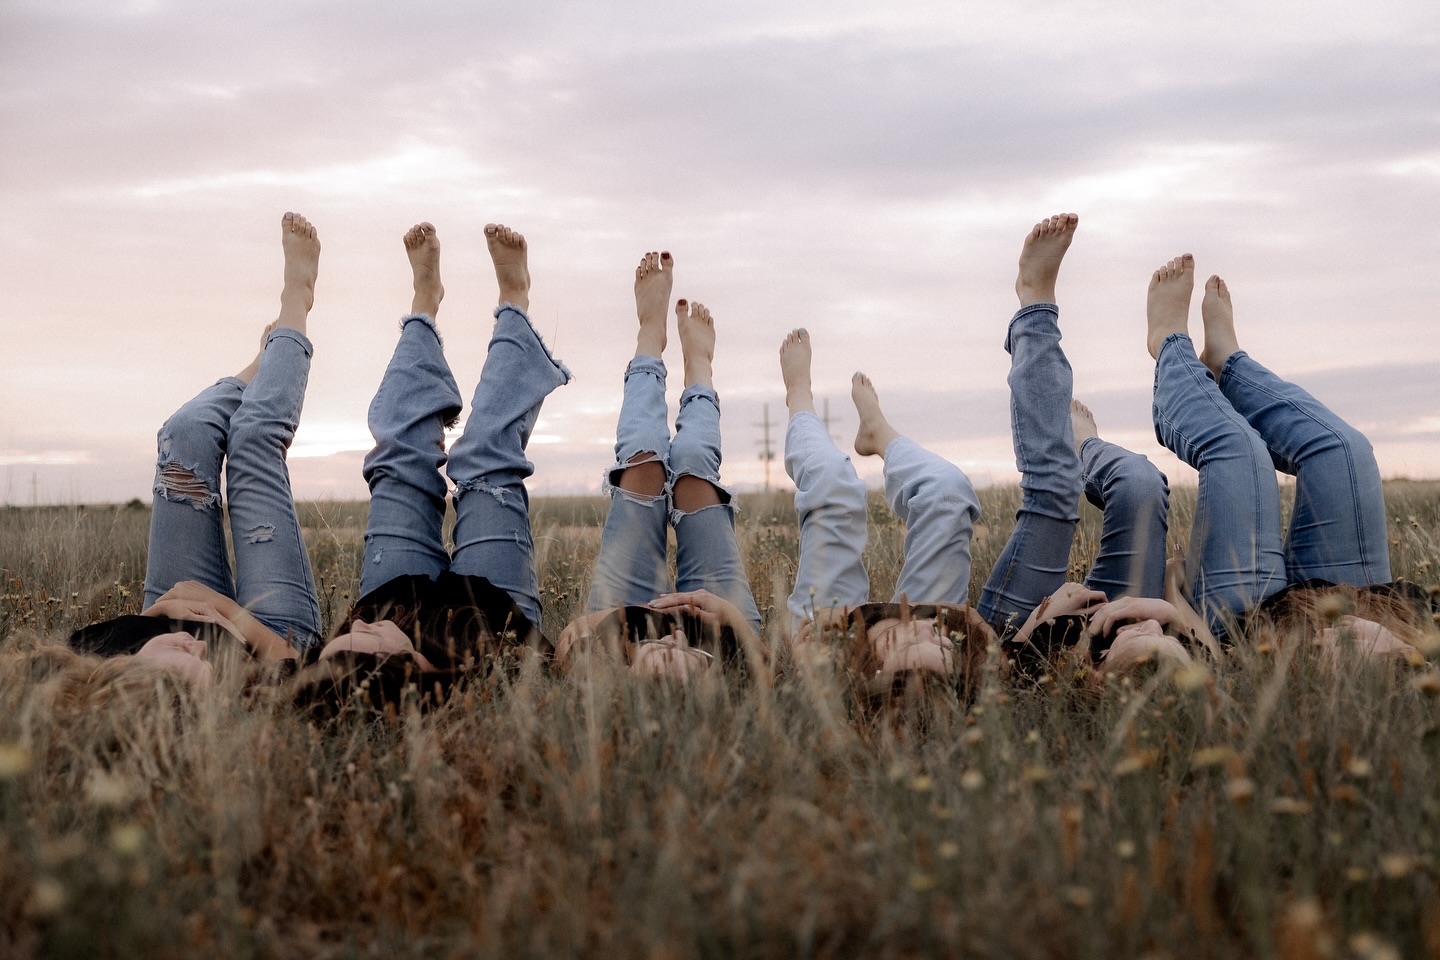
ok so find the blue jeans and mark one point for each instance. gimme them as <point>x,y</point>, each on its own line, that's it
<point>248,430</point>
<point>1135,499</point>
<point>417,398</point>
<point>930,494</point>
<point>1236,433</point>
<point>1035,559</point>
<point>631,567</point>
<point>1337,529</point>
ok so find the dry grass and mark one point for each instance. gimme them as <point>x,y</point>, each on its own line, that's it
<point>1278,808</point>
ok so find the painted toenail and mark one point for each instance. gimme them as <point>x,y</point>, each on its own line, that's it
<point>679,303</point>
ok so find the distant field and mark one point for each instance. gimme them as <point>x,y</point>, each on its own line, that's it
<point>1276,805</point>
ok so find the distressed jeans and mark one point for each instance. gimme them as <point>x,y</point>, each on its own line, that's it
<point>1236,432</point>
<point>631,567</point>
<point>930,494</point>
<point>247,429</point>
<point>418,396</point>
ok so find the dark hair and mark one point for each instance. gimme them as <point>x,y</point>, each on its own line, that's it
<point>127,634</point>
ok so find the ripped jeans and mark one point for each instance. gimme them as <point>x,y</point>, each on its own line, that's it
<point>247,430</point>
<point>929,493</point>
<point>417,398</point>
<point>631,567</point>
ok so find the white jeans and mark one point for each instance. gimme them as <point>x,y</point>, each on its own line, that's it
<point>930,494</point>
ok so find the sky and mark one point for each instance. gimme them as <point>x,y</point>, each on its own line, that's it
<point>864,170</point>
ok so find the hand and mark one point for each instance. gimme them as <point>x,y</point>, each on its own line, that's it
<point>196,591</point>
<point>703,604</point>
<point>203,611</point>
<point>382,638</point>
<point>1104,620</point>
<point>1070,599</point>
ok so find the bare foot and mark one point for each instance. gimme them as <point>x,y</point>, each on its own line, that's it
<point>653,280</point>
<point>1219,317</point>
<point>697,342</point>
<point>795,370</point>
<point>1084,423</point>
<point>253,367</point>
<point>508,251</point>
<point>875,432</point>
<point>1040,258</point>
<point>422,246</point>
<point>302,263</point>
<point>1167,306</point>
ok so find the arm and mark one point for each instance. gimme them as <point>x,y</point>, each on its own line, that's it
<point>714,610</point>
<point>189,600</point>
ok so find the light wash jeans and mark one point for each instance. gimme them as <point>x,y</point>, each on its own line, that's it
<point>1236,433</point>
<point>248,430</point>
<point>417,398</point>
<point>1034,561</point>
<point>930,494</point>
<point>631,567</point>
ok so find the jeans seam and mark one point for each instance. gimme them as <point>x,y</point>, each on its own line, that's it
<point>1361,543</point>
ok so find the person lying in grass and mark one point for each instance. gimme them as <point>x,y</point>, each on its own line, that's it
<point>1236,423</point>
<point>659,483</point>
<point>929,613</point>
<point>243,425</point>
<point>428,615</point>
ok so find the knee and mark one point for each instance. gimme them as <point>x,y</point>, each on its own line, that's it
<point>644,476</point>
<point>1357,448</point>
<point>1138,487</point>
<point>1237,443</point>
<point>691,493</point>
<point>186,482</point>
<point>952,492</point>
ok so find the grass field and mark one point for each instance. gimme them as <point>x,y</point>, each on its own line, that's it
<point>1274,806</point>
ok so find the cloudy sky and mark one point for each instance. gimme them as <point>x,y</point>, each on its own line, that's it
<point>865,170</point>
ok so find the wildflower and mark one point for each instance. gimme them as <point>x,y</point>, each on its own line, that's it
<point>47,897</point>
<point>1125,849</point>
<point>973,737</point>
<point>1193,677</point>
<point>1428,684</point>
<point>1370,947</point>
<point>106,790</point>
<point>1033,773</point>
<point>922,784</point>
<point>1396,865</point>
<point>949,850</point>
<point>1211,756</point>
<point>1289,806</point>
<point>972,780</point>
<point>1359,768</point>
<point>922,882</point>
<point>14,760</point>
<point>127,839</point>
<point>1240,790</point>
<point>1136,762</point>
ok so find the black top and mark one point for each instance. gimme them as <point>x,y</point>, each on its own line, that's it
<point>465,626</point>
<point>125,635</point>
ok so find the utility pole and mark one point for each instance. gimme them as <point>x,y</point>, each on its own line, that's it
<point>767,452</point>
